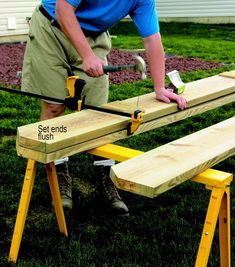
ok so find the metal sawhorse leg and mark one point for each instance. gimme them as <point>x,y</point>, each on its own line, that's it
<point>24,205</point>
<point>219,207</point>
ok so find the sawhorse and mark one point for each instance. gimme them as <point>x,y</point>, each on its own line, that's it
<point>25,200</point>
<point>219,206</point>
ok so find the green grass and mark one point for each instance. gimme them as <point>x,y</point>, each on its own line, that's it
<point>185,39</point>
<point>164,231</point>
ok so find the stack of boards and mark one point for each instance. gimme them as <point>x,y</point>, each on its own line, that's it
<point>48,140</point>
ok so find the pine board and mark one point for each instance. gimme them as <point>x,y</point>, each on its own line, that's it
<point>80,127</point>
<point>229,74</point>
<point>88,129</point>
<point>196,92</point>
<point>161,169</point>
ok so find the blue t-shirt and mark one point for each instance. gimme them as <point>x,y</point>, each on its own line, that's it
<point>100,15</point>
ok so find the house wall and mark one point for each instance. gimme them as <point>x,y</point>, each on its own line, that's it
<point>201,11</point>
<point>13,14</point>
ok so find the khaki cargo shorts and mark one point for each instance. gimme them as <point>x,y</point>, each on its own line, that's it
<point>49,57</point>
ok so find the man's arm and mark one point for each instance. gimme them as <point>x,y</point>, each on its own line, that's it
<point>69,24</point>
<point>156,61</point>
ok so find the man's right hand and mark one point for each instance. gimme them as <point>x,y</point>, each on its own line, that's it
<point>93,66</point>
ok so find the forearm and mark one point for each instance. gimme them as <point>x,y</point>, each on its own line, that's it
<point>156,61</point>
<point>71,28</point>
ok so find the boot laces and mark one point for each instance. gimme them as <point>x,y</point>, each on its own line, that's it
<point>108,186</point>
<point>64,183</point>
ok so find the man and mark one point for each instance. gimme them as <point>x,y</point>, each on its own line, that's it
<point>65,35</point>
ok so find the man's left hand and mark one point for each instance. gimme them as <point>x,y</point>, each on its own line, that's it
<point>167,95</point>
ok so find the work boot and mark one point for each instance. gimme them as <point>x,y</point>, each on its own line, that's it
<point>65,184</point>
<point>109,191</point>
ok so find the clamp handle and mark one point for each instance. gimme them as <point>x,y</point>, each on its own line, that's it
<point>136,119</point>
<point>75,86</point>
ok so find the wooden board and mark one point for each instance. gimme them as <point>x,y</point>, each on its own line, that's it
<point>89,129</point>
<point>68,130</point>
<point>229,74</point>
<point>122,106</point>
<point>196,92</point>
<point>160,169</point>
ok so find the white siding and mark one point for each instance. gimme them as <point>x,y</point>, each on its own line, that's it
<point>215,11</point>
<point>195,8</point>
<point>19,9</point>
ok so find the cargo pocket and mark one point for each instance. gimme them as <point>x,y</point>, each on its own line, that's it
<point>26,81</point>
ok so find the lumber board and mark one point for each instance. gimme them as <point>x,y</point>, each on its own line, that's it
<point>110,138</point>
<point>75,128</point>
<point>229,74</point>
<point>196,92</point>
<point>89,129</point>
<point>124,107</point>
<point>167,166</point>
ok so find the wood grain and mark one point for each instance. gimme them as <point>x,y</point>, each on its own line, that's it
<point>161,169</point>
<point>228,74</point>
<point>89,129</point>
<point>80,127</point>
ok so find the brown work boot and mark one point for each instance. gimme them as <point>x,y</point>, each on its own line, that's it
<point>65,184</point>
<point>109,191</point>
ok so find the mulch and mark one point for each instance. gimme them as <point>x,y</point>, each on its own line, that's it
<point>11,61</point>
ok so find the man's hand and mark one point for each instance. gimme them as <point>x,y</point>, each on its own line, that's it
<point>156,61</point>
<point>167,95</point>
<point>93,66</point>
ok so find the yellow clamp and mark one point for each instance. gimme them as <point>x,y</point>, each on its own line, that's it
<point>74,85</point>
<point>70,84</point>
<point>136,119</point>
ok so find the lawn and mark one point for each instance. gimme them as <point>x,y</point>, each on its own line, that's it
<point>164,231</point>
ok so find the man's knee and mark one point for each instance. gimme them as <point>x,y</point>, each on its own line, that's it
<point>49,111</point>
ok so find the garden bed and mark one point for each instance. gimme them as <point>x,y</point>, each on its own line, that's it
<point>11,61</point>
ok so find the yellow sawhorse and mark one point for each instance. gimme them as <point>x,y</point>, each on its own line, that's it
<point>219,205</point>
<point>24,205</point>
